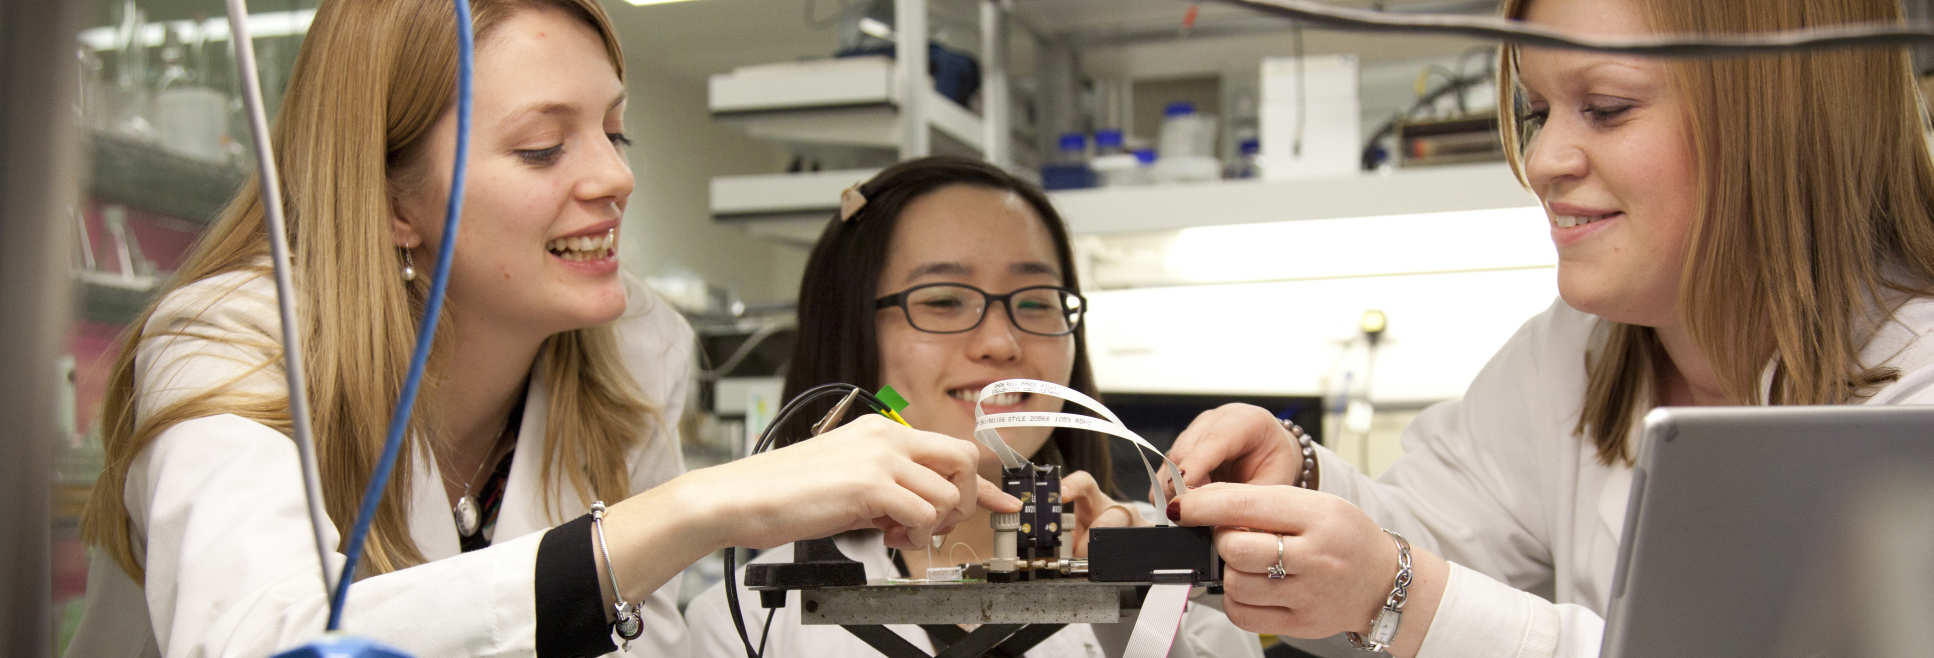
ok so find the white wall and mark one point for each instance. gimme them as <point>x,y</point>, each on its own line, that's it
<point>1300,338</point>
<point>676,150</point>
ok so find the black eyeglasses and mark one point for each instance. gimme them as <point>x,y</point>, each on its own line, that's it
<point>951,308</point>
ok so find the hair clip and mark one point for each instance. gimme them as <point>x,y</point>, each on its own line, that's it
<point>850,202</point>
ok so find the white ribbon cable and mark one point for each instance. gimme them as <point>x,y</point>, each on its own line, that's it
<point>986,426</point>
<point>992,439</point>
<point>1161,617</point>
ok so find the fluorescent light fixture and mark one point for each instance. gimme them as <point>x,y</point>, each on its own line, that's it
<point>265,24</point>
<point>1459,241</point>
<point>874,27</point>
<point>641,3</point>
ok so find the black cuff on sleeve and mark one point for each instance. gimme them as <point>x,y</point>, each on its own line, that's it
<point>570,609</point>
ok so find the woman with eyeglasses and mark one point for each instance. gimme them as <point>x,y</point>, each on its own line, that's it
<point>940,276</point>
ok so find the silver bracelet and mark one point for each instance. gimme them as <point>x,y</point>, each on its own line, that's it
<point>630,623</point>
<point>1383,628</point>
<point>1308,447</point>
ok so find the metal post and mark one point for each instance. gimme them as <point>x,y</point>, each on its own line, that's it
<point>910,78</point>
<point>39,159</point>
<point>1059,93</point>
<point>996,106</point>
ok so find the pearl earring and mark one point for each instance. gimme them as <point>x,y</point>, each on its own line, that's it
<point>409,266</point>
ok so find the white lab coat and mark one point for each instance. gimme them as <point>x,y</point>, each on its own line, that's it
<point>220,523</point>
<point>1204,632</point>
<point>1497,483</point>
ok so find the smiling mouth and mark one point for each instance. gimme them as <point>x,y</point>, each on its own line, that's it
<point>584,248</point>
<point>1570,221</point>
<point>1002,400</point>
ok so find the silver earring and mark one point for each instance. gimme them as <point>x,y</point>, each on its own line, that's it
<point>409,266</point>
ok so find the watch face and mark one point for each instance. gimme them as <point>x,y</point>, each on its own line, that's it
<point>1383,629</point>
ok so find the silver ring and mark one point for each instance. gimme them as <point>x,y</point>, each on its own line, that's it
<point>1276,571</point>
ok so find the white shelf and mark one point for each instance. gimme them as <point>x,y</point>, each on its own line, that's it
<point>1219,203</point>
<point>110,298</point>
<point>791,208</point>
<point>850,100</point>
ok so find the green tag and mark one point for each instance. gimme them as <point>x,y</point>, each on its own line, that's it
<point>892,399</point>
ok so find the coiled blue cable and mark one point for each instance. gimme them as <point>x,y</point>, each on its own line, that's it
<point>400,418</point>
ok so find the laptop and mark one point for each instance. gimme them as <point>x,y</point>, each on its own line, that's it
<point>1781,531</point>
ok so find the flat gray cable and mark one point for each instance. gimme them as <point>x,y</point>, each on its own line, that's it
<point>271,190</point>
<point>1523,34</point>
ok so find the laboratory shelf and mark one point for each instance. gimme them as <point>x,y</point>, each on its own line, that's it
<point>788,208</point>
<point>111,299</point>
<point>146,176</point>
<point>849,101</point>
<point>1217,203</point>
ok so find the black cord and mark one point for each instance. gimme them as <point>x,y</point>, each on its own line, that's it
<point>1429,98</point>
<point>766,632</point>
<point>732,601</point>
<point>766,437</point>
<point>1523,34</point>
<point>1454,80</point>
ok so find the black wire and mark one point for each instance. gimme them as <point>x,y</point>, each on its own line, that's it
<point>766,632</point>
<point>1453,79</point>
<point>1428,99</point>
<point>1523,34</point>
<point>732,601</point>
<point>780,420</point>
<point>769,437</point>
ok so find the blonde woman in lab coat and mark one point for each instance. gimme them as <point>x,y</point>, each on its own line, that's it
<point>556,381</point>
<point>889,298</point>
<point>1745,230</point>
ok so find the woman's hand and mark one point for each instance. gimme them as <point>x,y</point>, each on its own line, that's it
<point>1235,442</point>
<point>869,473</point>
<point>1093,509</point>
<point>1340,566</point>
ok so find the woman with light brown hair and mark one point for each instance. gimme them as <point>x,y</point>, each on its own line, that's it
<point>1737,231</point>
<point>556,381</point>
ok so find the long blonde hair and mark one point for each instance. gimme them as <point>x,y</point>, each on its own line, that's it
<point>373,76</point>
<point>1817,199</point>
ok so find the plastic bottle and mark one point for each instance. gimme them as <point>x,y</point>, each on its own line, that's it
<point>1244,126</point>
<point>1113,165</point>
<point>1245,165</point>
<point>1187,146</point>
<point>1068,169</point>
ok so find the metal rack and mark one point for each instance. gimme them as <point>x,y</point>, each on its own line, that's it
<point>146,176</point>
<point>872,102</point>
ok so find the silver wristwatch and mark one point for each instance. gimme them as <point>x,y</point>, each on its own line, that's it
<point>1383,628</point>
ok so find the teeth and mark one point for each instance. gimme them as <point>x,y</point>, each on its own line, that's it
<point>590,248</point>
<point>1569,221</point>
<point>1002,400</point>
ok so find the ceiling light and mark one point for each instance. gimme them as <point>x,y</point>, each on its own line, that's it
<point>260,25</point>
<point>876,28</point>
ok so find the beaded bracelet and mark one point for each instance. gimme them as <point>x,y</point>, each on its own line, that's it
<point>1308,448</point>
<point>630,623</point>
